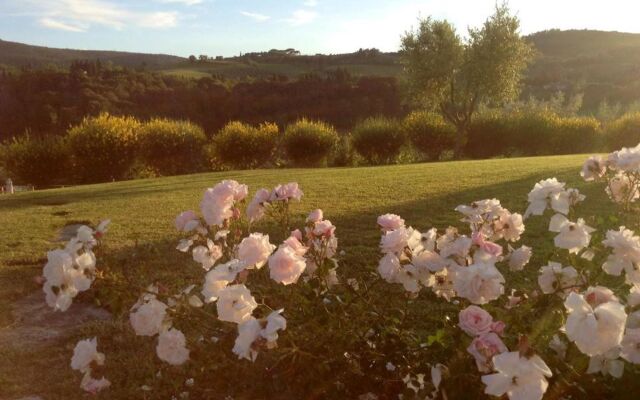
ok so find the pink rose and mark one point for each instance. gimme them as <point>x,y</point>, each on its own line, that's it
<point>254,250</point>
<point>390,222</point>
<point>286,192</point>
<point>475,321</point>
<point>315,216</point>
<point>324,228</point>
<point>483,348</point>
<point>488,247</point>
<point>297,234</point>
<point>183,220</point>
<point>255,209</point>
<point>498,327</point>
<point>285,266</point>
<point>296,245</point>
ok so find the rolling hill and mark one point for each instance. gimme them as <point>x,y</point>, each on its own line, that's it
<point>21,55</point>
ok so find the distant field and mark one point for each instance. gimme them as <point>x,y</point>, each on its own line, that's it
<point>238,70</point>
<point>142,236</point>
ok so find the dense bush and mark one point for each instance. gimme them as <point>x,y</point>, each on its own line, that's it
<point>378,140</point>
<point>103,148</point>
<point>308,143</point>
<point>531,133</point>
<point>37,161</point>
<point>429,133</point>
<point>172,147</point>
<point>344,155</point>
<point>244,146</point>
<point>576,135</point>
<point>624,132</point>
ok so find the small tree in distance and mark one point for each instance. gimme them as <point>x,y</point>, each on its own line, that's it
<point>454,76</point>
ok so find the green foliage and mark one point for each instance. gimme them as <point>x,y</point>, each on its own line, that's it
<point>429,133</point>
<point>309,143</point>
<point>103,148</point>
<point>576,135</point>
<point>344,155</point>
<point>40,161</point>
<point>378,140</point>
<point>172,147</point>
<point>244,146</point>
<point>531,133</point>
<point>624,132</point>
<point>454,76</point>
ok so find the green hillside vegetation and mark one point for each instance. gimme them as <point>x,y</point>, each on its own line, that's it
<point>24,55</point>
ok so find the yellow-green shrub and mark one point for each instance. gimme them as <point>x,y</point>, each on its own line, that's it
<point>577,135</point>
<point>103,148</point>
<point>172,147</point>
<point>244,146</point>
<point>429,133</point>
<point>378,140</point>
<point>623,132</point>
<point>40,161</point>
<point>308,143</point>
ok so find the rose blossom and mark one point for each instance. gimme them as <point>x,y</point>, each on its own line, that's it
<point>235,304</point>
<point>390,222</point>
<point>475,321</point>
<point>147,318</point>
<point>254,250</point>
<point>286,266</point>
<point>479,283</point>
<point>186,221</point>
<point>483,348</point>
<point>295,244</point>
<point>519,377</point>
<point>85,353</point>
<point>172,348</point>
<point>595,330</point>
<point>255,209</point>
<point>519,258</point>
<point>593,168</point>
<point>492,249</point>
<point>389,267</point>
<point>93,386</point>
<point>286,192</point>
<point>315,216</point>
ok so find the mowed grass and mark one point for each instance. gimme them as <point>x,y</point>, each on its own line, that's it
<point>142,238</point>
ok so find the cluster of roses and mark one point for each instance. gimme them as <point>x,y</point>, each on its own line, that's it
<point>519,374</point>
<point>68,272</point>
<point>217,244</point>
<point>453,264</point>
<point>620,170</point>
<point>71,270</point>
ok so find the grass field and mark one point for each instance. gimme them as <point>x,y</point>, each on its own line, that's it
<point>142,237</point>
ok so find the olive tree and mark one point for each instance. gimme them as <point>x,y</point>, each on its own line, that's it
<point>454,76</point>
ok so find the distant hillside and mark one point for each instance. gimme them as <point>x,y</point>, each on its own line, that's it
<point>602,65</point>
<point>19,55</point>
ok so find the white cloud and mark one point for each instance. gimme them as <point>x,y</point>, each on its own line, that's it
<point>185,2</point>
<point>301,17</point>
<point>255,16</point>
<point>159,20</point>
<point>310,3</point>
<point>80,15</point>
<point>53,24</point>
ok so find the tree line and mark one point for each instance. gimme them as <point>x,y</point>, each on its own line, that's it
<point>49,101</point>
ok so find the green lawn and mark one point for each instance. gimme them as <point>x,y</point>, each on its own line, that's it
<point>141,238</point>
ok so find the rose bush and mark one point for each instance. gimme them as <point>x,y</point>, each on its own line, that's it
<point>288,308</point>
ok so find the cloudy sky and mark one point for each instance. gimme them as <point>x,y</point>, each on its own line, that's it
<point>228,27</point>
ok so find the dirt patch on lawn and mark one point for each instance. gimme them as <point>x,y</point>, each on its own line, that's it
<point>36,324</point>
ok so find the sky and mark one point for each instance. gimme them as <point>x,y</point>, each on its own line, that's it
<point>229,27</point>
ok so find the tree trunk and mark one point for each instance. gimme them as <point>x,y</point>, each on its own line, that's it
<point>461,140</point>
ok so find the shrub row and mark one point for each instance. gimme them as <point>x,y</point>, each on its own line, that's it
<point>108,147</point>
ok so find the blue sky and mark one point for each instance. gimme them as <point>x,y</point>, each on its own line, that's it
<point>228,27</point>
